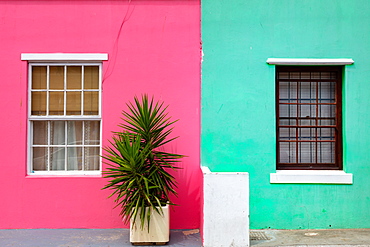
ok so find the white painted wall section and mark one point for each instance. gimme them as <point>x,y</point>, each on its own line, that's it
<point>226,209</point>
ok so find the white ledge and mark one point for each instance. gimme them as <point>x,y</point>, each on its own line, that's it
<point>309,61</point>
<point>310,177</point>
<point>64,56</point>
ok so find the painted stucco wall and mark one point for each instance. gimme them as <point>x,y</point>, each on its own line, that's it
<point>238,103</point>
<point>157,52</point>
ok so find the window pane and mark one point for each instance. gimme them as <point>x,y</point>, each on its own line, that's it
<point>56,103</point>
<point>307,92</point>
<point>73,103</point>
<point>327,122</point>
<point>307,122</point>
<point>327,111</point>
<point>56,77</point>
<point>288,110</point>
<point>74,77</point>
<point>91,103</point>
<point>327,92</point>
<point>74,129</point>
<point>40,158</point>
<point>38,77</point>
<point>57,158</point>
<point>38,103</point>
<point>91,158</point>
<point>307,152</point>
<point>326,134</point>
<point>307,110</point>
<point>57,132</point>
<point>74,155</point>
<point>307,134</point>
<point>287,152</point>
<point>40,132</point>
<point>326,151</point>
<point>91,77</point>
<point>287,133</point>
<point>288,92</point>
<point>92,132</point>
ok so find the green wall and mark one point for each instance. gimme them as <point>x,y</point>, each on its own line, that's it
<point>238,102</point>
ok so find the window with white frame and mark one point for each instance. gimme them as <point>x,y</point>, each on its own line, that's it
<point>64,118</point>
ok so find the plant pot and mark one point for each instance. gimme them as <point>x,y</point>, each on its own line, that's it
<point>159,229</point>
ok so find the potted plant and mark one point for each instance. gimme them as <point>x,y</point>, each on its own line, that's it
<point>139,170</point>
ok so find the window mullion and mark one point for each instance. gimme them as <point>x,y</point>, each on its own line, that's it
<point>65,145</point>
<point>64,91</point>
<point>297,122</point>
<point>83,146</point>
<point>47,89</point>
<point>49,143</point>
<point>317,122</point>
<point>82,88</point>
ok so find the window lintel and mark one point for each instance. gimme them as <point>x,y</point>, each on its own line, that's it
<point>43,57</point>
<point>309,61</point>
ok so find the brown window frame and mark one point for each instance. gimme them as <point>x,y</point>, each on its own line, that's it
<point>316,140</point>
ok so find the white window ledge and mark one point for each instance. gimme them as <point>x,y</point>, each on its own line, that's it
<point>310,177</point>
<point>64,56</point>
<point>309,61</point>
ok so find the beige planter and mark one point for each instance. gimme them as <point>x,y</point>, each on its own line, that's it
<point>159,229</point>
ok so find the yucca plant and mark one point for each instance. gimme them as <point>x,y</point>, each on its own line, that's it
<point>138,165</point>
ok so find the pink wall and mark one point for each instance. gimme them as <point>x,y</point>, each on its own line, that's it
<point>157,52</point>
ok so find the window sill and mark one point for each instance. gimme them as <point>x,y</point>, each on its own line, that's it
<point>310,177</point>
<point>41,174</point>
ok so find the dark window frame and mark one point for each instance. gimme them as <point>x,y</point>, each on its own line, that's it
<point>335,71</point>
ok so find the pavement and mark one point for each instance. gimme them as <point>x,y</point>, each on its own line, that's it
<point>311,238</point>
<point>188,238</point>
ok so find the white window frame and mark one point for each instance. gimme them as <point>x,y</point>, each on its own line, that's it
<point>310,176</point>
<point>63,60</point>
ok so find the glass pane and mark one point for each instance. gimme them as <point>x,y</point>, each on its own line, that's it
<point>56,103</point>
<point>57,132</point>
<point>307,122</point>
<point>294,75</point>
<point>283,75</point>
<point>326,134</point>
<point>38,77</point>
<point>307,152</point>
<point>56,77</point>
<point>288,110</point>
<point>74,132</point>
<point>74,77</point>
<point>287,122</point>
<point>325,75</point>
<point>288,92</point>
<point>91,159</point>
<point>287,133</point>
<point>91,77</point>
<point>326,151</point>
<point>40,132</point>
<point>73,103</point>
<point>92,132</point>
<point>327,122</point>
<point>327,111</point>
<point>57,158</point>
<point>307,92</point>
<point>91,103</point>
<point>74,160</point>
<point>38,103</point>
<point>307,134</point>
<point>287,152</point>
<point>327,92</point>
<point>307,111</point>
<point>40,158</point>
